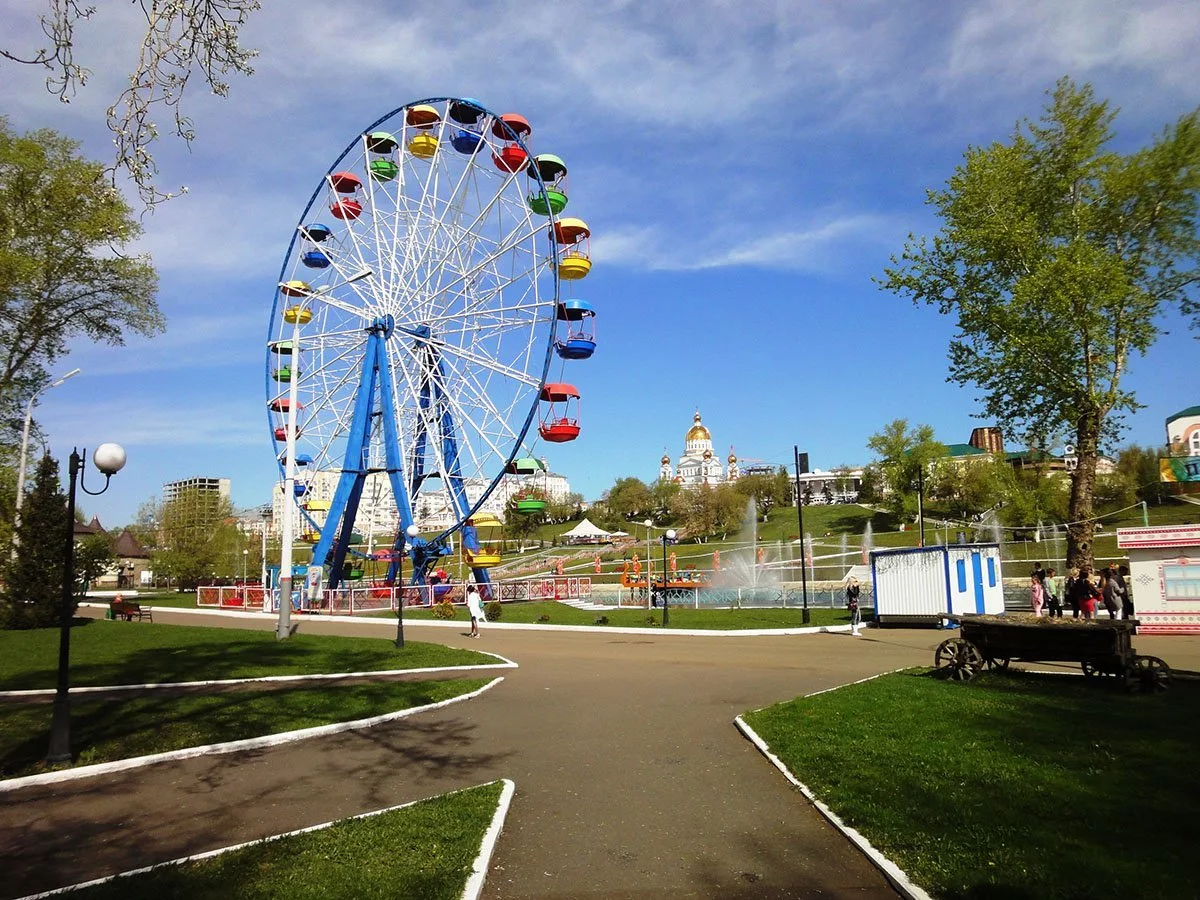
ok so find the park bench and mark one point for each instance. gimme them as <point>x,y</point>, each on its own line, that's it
<point>128,610</point>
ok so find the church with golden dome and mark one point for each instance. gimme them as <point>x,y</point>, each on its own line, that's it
<point>698,465</point>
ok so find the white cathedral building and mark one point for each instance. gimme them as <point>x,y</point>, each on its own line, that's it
<point>698,465</point>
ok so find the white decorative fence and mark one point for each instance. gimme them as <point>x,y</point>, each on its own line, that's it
<point>366,599</point>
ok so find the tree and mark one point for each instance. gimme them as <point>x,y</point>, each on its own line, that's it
<point>629,499</point>
<point>181,36</point>
<point>903,453</point>
<point>1140,465</point>
<point>764,489</point>
<point>33,580</point>
<point>198,538</point>
<point>63,270</point>
<point>1057,257</point>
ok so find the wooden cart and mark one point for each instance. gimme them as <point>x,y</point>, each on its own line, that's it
<point>1101,647</point>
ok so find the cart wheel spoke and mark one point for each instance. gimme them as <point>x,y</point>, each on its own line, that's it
<point>957,659</point>
<point>1149,674</point>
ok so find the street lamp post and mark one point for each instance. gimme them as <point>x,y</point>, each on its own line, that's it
<point>109,459</point>
<point>25,450</point>
<point>296,316</point>
<point>410,532</point>
<point>667,538</point>
<point>805,615</point>
<point>649,592</point>
<point>266,517</point>
<point>245,561</point>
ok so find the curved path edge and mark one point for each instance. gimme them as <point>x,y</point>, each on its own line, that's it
<point>263,679</point>
<point>471,892</point>
<point>893,873</point>
<point>254,743</point>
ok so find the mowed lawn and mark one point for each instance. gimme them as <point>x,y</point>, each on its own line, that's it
<point>424,850</point>
<point>104,653</point>
<point>1011,786</point>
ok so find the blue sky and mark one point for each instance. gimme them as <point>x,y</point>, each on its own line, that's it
<point>746,168</point>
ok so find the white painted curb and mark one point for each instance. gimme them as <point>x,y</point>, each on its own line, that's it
<point>474,886</point>
<point>892,872</point>
<point>485,849</point>
<point>508,626</point>
<point>266,740</point>
<point>94,689</point>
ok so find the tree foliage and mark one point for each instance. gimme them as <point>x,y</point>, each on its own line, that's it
<point>181,38</point>
<point>768,491</point>
<point>903,453</point>
<point>1056,257</point>
<point>198,538</point>
<point>63,272</point>
<point>33,578</point>
<point>1140,465</point>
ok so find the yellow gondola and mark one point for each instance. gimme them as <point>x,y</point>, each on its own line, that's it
<point>487,533</point>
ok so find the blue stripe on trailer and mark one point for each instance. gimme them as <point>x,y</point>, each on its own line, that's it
<point>977,572</point>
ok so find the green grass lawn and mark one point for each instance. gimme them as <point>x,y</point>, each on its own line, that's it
<point>123,727</point>
<point>681,616</point>
<point>104,652</point>
<point>1013,786</point>
<point>425,850</point>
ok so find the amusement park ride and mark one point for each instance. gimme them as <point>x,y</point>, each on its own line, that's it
<point>413,331</point>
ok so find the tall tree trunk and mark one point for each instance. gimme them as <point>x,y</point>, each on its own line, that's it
<point>1083,482</point>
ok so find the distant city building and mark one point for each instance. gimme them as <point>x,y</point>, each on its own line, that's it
<point>842,486</point>
<point>196,492</point>
<point>698,465</point>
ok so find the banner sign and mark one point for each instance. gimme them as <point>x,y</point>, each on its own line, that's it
<point>1179,468</point>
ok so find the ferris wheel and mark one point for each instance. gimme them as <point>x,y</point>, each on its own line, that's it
<point>416,320</point>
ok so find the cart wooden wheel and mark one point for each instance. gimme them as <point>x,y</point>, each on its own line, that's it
<point>957,659</point>
<point>1093,670</point>
<point>1149,674</point>
<point>998,662</point>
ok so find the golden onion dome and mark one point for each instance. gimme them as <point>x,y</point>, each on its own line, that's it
<point>732,456</point>
<point>666,460</point>
<point>698,432</point>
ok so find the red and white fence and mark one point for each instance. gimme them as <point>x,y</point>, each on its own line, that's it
<point>354,600</point>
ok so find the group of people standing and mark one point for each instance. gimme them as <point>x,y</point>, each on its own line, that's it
<point>1082,591</point>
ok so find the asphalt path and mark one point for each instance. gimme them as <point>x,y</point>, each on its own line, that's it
<point>631,779</point>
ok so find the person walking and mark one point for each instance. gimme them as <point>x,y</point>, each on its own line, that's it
<point>1054,596</point>
<point>474,608</point>
<point>852,592</point>
<point>1037,594</point>
<point>1085,594</point>
<point>1127,609</point>
<point>1071,591</point>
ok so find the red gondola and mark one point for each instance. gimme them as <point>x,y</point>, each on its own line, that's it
<point>560,419</point>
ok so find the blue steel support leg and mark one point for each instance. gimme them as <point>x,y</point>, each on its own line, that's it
<point>354,463</point>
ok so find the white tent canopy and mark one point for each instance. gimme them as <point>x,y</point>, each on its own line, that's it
<point>585,533</point>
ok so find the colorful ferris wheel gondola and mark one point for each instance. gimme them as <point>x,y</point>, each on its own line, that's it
<point>550,175</point>
<point>421,349</point>
<point>580,340</point>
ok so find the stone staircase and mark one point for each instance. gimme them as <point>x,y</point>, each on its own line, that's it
<point>584,604</point>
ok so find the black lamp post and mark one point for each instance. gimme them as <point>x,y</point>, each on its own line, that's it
<point>802,461</point>
<point>109,459</point>
<point>667,538</point>
<point>411,532</point>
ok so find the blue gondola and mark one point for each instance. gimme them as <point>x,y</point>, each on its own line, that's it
<point>466,141</point>
<point>315,232</point>
<point>315,259</point>
<point>580,340</point>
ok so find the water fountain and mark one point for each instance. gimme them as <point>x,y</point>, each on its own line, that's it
<point>868,543</point>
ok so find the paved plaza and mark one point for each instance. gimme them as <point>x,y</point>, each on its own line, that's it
<point>631,779</point>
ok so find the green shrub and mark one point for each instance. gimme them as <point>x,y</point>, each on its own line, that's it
<point>493,611</point>
<point>543,618</point>
<point>651,619</point>
<point>601,620</point>
<point>444,609</point>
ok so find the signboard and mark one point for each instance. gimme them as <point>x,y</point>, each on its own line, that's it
<point>1161,536</point>
<point>1177,469</point>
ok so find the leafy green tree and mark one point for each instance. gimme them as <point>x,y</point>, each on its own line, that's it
<point>764,489</point>
<point>903,452</point>
<point>662,498</point>
<point>1140,466</point>
<point>93,557</point>
<point>1057,257</point>
<point>33,578</point>
<point>64,270</point>
<point>629,499</point>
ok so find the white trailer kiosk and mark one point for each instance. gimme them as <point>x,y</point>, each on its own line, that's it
<point>1164,574</point>
<point>920,585</point>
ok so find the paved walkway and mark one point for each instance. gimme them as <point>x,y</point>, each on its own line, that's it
<point>631,778</point>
